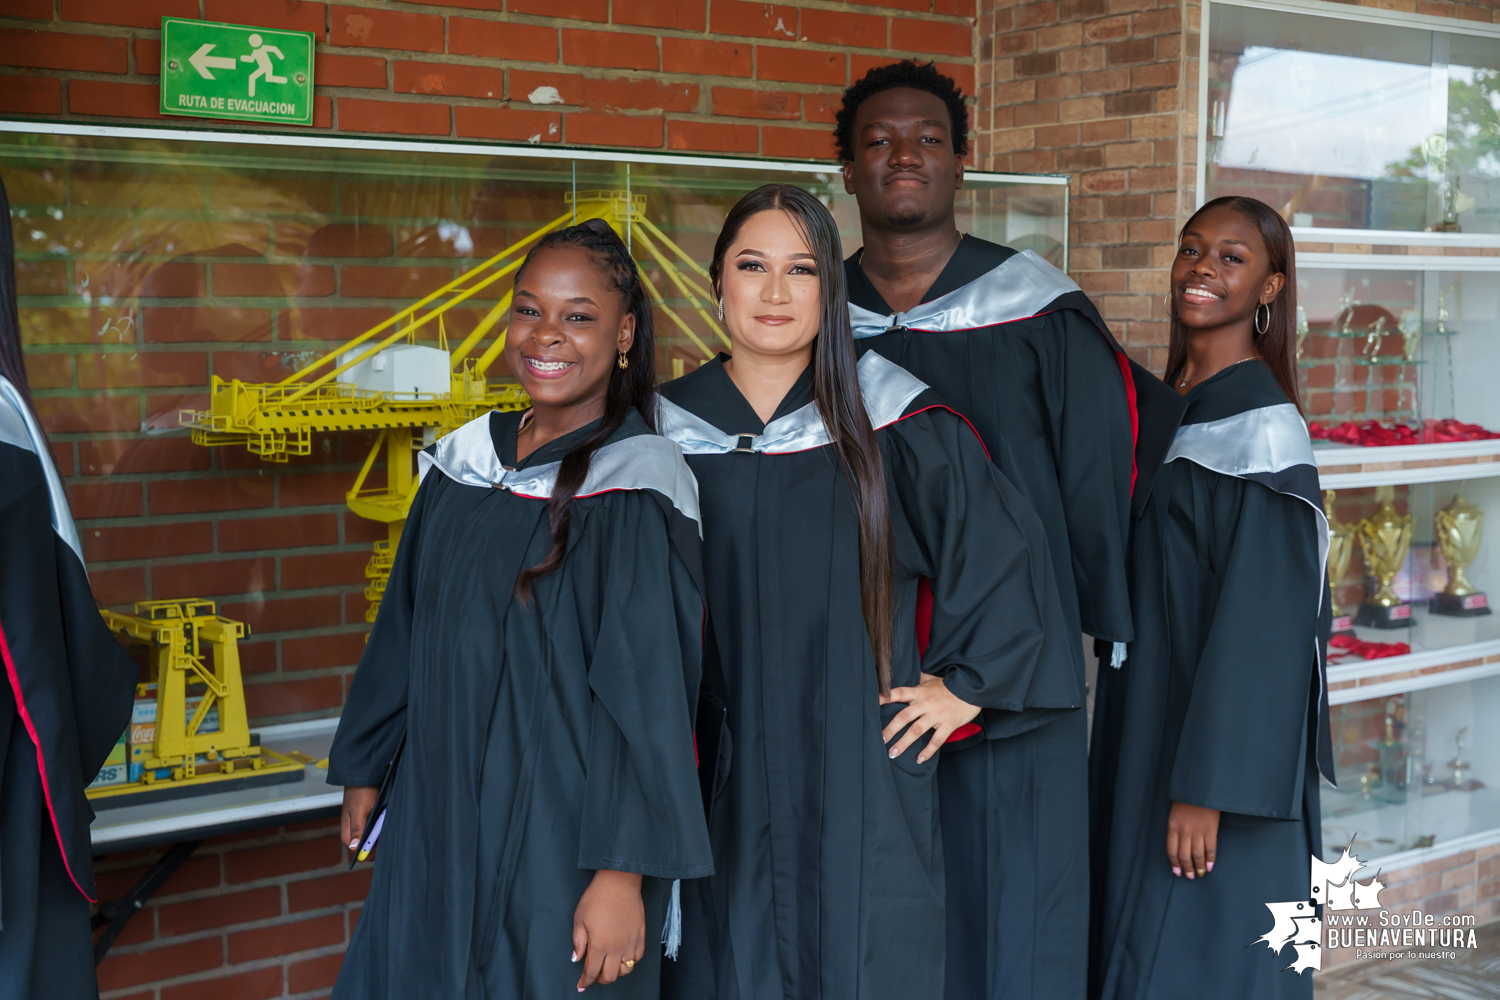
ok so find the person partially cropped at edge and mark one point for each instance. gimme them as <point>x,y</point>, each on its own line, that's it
<point>1209,739</point>
<point>65,701</point>
<point>538,650</point>
<point>1013,344</point>
<point>828,491</point>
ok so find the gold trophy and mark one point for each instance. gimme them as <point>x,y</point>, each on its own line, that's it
<point>1340,551</point>
<point>1459,528</point>
<point>1411,336</point>
<point>1384,539</point>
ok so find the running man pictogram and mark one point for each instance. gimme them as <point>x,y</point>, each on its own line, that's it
<point>261,56</point>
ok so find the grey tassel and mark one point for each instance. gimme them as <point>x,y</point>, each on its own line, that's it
<point>671,932</point>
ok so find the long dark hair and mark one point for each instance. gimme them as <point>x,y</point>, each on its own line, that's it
<point>836,392</point>
<point>12,365</point>
<point>1277,347</point>
<point>633,387</point>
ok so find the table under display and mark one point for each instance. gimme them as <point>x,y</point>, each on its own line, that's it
<point>186,822</point>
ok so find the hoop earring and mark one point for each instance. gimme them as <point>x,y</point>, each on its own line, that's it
<point>1260,331</point>
<point>1166,303</point>
<point>721,309</point>
<point>622,361</point>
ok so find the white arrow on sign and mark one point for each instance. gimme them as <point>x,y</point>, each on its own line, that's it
<point>203,62</point>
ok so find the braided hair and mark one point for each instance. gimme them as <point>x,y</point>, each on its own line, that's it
<point>630,387</point>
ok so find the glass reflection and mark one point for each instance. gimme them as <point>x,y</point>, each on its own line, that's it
<point>1415,770</point>
<point>1348,125</point>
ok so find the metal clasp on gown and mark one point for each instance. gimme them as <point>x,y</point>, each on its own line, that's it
<point>745,444</point>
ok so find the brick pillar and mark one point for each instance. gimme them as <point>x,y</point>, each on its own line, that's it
<point>1106,91</point>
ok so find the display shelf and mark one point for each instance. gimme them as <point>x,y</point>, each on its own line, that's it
<point>1375,824</point>
<point>219,813</point>
<point>1416,771</point>
<point>1444,650</point>
<point>1346,466</point>
<point>1393,237</point>
<point>1393,262</point>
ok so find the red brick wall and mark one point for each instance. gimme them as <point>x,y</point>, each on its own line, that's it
<point>1104,90</point>
<point>1465,883</point>
<point>710,75</point>
<point>253,916</point>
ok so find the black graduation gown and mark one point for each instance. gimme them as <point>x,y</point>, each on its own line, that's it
<point>828,856</point>
<point>1221,703</point>
<point>68,697</point>
<point>1015,347</point>
<point>541,742</point>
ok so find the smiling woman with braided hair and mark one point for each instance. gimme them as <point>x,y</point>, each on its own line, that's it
<point>527,693</point>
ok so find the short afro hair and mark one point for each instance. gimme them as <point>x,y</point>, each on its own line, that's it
<point>906,73</point>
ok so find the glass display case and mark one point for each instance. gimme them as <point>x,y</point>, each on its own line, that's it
<point>1351,122</point>
<point>1416,770</point>
<point>1411,567</point>
<point>1375,135</point>
<point>1405,347</point>
<point>186,299</point>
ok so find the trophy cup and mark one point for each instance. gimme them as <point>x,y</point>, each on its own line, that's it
<point>1459,769</point>
<point>1384,539</point>
<point>1459,528</point>
<point>1375,338</point>
<point>1392,751</point>
<point>1340,551</point>
<point>1345,313</point>
<point>1411,336</point>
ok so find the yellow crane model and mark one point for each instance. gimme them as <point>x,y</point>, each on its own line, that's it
<point>195,732</point>
<point>412,395</point>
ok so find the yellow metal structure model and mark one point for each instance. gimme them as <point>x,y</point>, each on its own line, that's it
<point>196,732</point>
<point>411,395</point>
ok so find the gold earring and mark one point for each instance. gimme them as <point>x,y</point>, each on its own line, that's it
<point>622,361</point>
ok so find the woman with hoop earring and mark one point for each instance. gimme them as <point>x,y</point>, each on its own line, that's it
<point>1209,739</point>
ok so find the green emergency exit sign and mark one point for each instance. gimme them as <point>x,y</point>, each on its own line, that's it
<point>212,70</point>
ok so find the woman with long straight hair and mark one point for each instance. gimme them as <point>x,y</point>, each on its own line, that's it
<point>1209,739</point>
<point>527,693</point>
<point>829,490</point>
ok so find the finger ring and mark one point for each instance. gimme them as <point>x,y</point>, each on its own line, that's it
<point>629,963</point>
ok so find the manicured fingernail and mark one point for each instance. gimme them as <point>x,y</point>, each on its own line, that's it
<point>892,754</point>
<point>1177,872</point>
<point>1190,876</point>
<point>1210,866</point>
<point>1201,873</point>
<point>353,843</point>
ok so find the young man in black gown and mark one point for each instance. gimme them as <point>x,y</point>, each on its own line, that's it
<point>1013,344</point>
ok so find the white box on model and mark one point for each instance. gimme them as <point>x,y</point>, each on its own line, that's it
<point>401,369</point>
